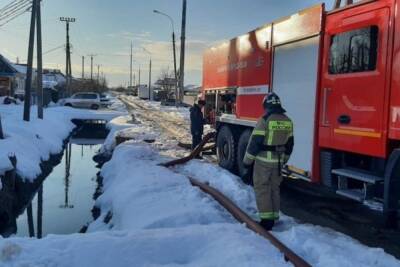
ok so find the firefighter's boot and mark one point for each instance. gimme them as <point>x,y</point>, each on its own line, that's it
<point>267,224</point>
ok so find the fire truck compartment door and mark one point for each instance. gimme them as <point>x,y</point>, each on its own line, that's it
<point>295,81</point>
<point>353,82</point>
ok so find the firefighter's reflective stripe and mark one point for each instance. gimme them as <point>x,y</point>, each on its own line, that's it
<point>269,215</point>
<point>280,126</point>
<point>258,132</point>
<point>250,156</point>
<point>267,159</point>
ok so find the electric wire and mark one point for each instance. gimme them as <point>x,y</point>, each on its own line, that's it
<point>11,5</point>
<point>14,10</point>
<point>10,12</point>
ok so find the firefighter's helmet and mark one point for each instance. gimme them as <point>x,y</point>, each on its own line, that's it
<point>272,100</point>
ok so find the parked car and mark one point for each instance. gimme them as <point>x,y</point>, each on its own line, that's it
<point>84,100</point>
<point>105,100</point>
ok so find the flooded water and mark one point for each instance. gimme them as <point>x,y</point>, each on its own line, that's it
<point>64,202</point>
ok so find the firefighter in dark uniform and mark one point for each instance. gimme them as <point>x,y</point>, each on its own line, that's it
<point>269,149</point>
<point>197,123</point>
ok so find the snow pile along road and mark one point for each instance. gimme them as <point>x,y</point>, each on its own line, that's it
<point>34,141</point>
<point>158,219</point>
<point>317,245</point>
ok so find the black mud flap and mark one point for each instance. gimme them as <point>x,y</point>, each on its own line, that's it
<point>392,190</point>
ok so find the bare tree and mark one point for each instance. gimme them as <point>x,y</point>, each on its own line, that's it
<point>167,81</point>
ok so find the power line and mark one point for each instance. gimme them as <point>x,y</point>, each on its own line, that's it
<point>53,49</point>
<point>10,12</point>
<point>14,10</point>
<point>16,16</point>
<point>11,5</point>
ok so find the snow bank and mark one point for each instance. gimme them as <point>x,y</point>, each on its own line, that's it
<point>34,141</point>
<point>158,219</point>
<point>318,245</point>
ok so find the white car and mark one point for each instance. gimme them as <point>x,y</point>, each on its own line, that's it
<point>84,100</point>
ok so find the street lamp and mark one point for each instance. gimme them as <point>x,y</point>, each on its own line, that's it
<point>174,52</point>
<point>145,50</point>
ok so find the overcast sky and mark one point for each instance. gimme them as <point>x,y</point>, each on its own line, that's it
<point>106,28</point>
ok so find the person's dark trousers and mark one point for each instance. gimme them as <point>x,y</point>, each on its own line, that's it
<point>196,140</point>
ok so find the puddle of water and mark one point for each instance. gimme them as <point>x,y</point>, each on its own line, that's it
<point>67,197</point>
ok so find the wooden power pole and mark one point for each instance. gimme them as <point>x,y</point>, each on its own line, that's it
<point>83,67</point>
<point>131,60</point>
<point>39,86</point>
<point>28,80</point>
<point>68,71</point>
<point>182,59</point>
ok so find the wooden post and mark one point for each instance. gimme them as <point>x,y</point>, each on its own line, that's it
<point>1,130</point>
<point>39,85</point>
<point>40,212</point>
<point>31,227</point>
<point>28,81</point>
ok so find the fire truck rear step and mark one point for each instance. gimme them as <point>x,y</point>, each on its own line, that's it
<point>355,194</point>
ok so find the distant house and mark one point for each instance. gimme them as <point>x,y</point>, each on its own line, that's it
<point>13,76</point>
<point>11,79</point>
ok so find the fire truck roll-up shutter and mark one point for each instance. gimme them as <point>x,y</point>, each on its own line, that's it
<point>295,81</point>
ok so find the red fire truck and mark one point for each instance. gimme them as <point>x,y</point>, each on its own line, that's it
<point>338,75</point>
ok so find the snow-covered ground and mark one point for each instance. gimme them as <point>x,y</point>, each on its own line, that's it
<point>159,219</point>
<point>34,141</point>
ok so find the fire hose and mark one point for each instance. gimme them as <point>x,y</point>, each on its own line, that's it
<point>236,212</point>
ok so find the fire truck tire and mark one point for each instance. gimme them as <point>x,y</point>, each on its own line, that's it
<point>392,189</point>
<point>328,162</point>
<point>245,173</point>
<point>226,149</point>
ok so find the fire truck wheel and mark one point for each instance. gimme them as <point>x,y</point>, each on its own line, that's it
<point>245,173</point>
<point>329,161</point>
<point>392,189</point>
<point>226,149</point>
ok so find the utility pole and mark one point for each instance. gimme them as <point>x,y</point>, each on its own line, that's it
<point>40,212</point>
<point>139,76</point>
<point>68,53</point>
<point>145,50</point>
<point>1,130</point>
<point>91,66</point>
<point>98,74</point>
<point>83,67</point>
<point>39,89</point>
<point>150,96</point>
<point>182,63</point>
<point>130,76</point>
<point>28,81</point>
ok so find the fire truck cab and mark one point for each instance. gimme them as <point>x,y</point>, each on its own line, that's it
<point>338,75</point>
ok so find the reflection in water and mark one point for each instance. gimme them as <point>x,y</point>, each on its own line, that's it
<point>40,212</point>
<point>72,181</point>
<point>30,221</point>
<point>66,205</point>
